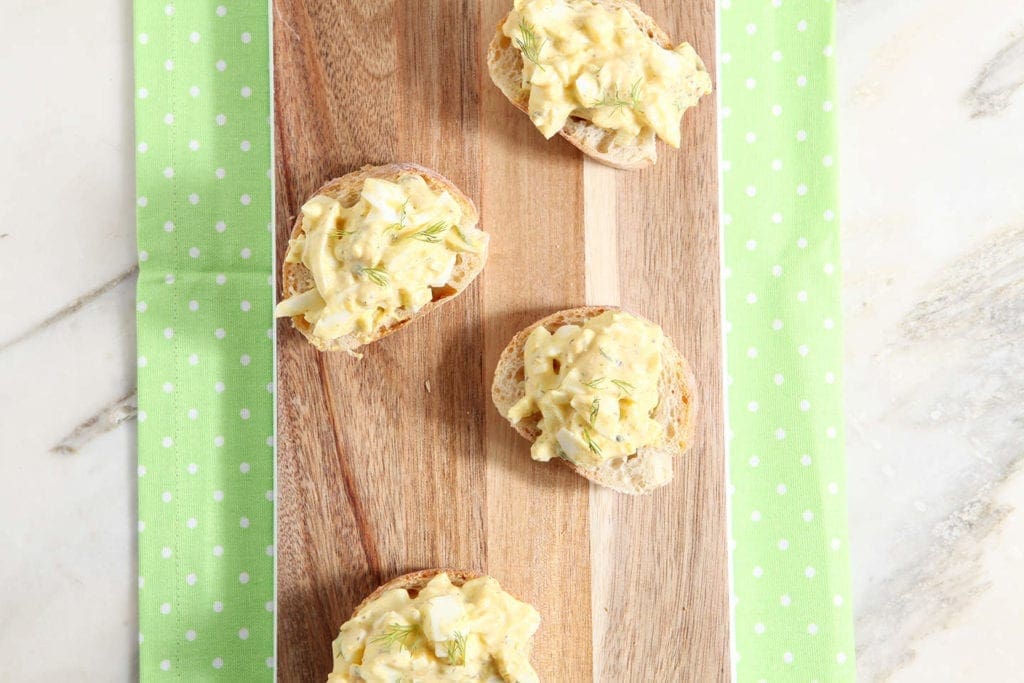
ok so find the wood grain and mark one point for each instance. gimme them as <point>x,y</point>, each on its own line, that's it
<point>399,462</point>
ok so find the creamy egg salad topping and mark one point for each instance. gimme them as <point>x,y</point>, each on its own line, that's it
<point>384,253</point>
<point>476,632</point>
<point>595,387</point>
<point>584,60</point>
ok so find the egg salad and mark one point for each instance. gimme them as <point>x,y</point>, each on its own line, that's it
<point>474,632</point>
<point>595,387</point>
<point>585,60</point>
<point>379,259</point>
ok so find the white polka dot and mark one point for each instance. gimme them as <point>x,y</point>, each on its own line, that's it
<point>165,553</point>
<point>169,65</point>
<point>837,600</point>
<point>193,145</point>
<point>780,489</point>
<point>166,497</point>
<point>221,10</point>
<point>142,361</point>
<point>835,544</point>
<point>143,147</point>
<point>193,199</point>
<point>243,633</point>
<point>270,662</point>
<point>221,119</point>
<point>218,551</point>
<point>758,628</point>
<point>776,110</point>
<point>269,550</point>
<point>830,377</point>
<point>751,245</point>
<point>758,572</point>
<point>219,333</point>
<point>141,307</point>
<point>220,226</point>
<point>787,657</point>
<point>190,635</point>
<point>245,200</point>
<point>245,306</point>
<point>751,29</point>
<point>805,460</point>
<point>776,56</point>
<point>751,83</point>
<point>751,190</point>
<point>750,137</point>
<point>751,298</point>
<point>785,601</point>
<point>725,58</point>
<point>776,324</point>
<point>826,106</point>
<point>752,406</point>
<point>167,442</point>
<point>783,544</point>
<point>826,160</point>
<point>165,664</point>
<point>244,468</point>
<point>832,488</point>
<point>194,37</point>
<point>801,295</point>
<point>777,271</point>
<point>243,577</point>
<point>801,25</point>
<point>143,93</point>
<point>245,146</point>
<point>244,413</point>
<point>193,252</point>
<point>246,37</point>
<point>143,38</point>
<point>778,379</point>
<point>801,135</point>
<point>809,572</point>
<point>841,657</point>
<point>218,441</point>
<point>752,352</point>
<point>801,189</point>
<point>269,495</point>
<point>807,516</point>
<point>169,279</point>
<point>142,201</point>
<point>192,522</point>
<point>218,496</point>
<point>220,279</point>
<point>192,468</point>
<point>193,305</point>
<point>218,663</point>
<point>221,65</point>
<point>245,359</point>
<point>220,173</point>
<point>246,91</point>
<point>805,405</point>
<point>776,166</point>
<point>780,434</point>
<point>165,608</point>
<point>754,461</point>
<point>801,242</point>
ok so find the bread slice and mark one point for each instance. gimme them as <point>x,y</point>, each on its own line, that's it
<point>675,411</point>
<point>505,63</point>
<point>296,278</point>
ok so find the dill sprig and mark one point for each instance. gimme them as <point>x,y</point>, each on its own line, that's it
<point>594,408</point>
<point>528,44</point>
<point>396,634</point>
<point>590,442</point>
<point>617,101</point>
<point>607,357</point>
<point>457,648</point>
<point>377,276</point>
<point>625,386</point>
<point>402,216</point>
<point>594,383</point>
<point>432,233</point>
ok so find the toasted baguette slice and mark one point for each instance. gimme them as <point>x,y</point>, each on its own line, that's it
<point>505,63</point>
<point>296,278</point>
<point>675,411</point>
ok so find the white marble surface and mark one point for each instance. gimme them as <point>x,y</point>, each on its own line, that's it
<point>933,236</point>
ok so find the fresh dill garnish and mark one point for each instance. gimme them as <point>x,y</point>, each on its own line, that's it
<point>617,101</point>
<point>590,442</point>
<point>432,233</point>
<point>594,408</point>
<point>396,633</point>
<point>528,44</point>
<point>377,276</point>
<point>457,648</point>
<point>402,216</point>
<point>625,386</point>
<point>607,357</point>
<point>594,383</point>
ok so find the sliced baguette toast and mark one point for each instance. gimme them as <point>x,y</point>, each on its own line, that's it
<point>505,63</point>
<point>296,278</point>
<point>676,406</point>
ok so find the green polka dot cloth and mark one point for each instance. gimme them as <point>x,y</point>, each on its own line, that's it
<point>206,346</point>
<point>790,567</point>
<point>205,341</point>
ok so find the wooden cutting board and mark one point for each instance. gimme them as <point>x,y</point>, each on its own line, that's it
<point>399,461</point>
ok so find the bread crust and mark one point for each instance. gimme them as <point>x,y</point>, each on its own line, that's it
<point>296,278</point>
<point>505,64</point>
<point>676,409</point>
<point>417,581</point>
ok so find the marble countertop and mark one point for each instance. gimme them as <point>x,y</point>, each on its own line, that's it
<point>932,102</point>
